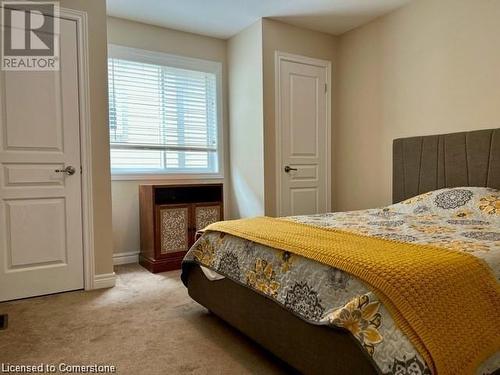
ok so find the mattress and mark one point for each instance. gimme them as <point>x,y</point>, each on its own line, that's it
<point>461,219</point>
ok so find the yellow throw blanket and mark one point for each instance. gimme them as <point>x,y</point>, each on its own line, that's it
<point>446,302</point>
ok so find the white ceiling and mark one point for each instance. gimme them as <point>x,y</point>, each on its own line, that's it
<point>225,18</point>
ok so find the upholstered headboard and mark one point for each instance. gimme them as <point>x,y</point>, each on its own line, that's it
<point>422,164</point>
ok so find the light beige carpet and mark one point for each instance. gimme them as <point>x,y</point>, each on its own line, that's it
<point>147,324</point>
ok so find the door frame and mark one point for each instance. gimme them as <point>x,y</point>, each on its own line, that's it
<point>81,19</point>
<point>285,56</point>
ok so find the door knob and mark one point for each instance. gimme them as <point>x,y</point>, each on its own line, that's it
<point>288,169</point>
<point>69,170</point>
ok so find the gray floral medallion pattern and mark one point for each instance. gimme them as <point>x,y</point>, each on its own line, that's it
<point>229,267</point>
<point>338,279</point>
<point>453,198</point>
<point>421,209</point>
<point>467,222</point>
<point>487,236</point>
<point>396,223</point>
<point>303,299</point>
<point>249,246</point>
<point>412,366</point>
<point>396,237</point>
<point>326,295</point>
<point>385,214</point>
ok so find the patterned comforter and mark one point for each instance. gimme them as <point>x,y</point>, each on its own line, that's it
<point>460,219</point>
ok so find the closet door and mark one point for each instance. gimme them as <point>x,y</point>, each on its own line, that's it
<point>303,158</point>
<point>41,248</point>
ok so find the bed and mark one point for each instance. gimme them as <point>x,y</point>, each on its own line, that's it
<point>306,326</point>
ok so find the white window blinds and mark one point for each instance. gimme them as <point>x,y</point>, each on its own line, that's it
<point>162,119</point>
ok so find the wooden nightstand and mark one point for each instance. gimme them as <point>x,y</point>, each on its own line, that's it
<point>170,216</point>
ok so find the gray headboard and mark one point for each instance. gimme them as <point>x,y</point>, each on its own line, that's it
<point>422,164</point>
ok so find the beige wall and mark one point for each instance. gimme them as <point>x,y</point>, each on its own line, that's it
<point>430,67</point>
<point>96,11</point>
<point>285,38</point>
<point>246,122</point>
<point>126,237</point>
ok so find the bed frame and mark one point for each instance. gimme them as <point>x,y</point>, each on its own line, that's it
<point>420,164</point>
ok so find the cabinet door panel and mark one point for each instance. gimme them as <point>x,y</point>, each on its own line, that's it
<point>174,228</point>
<point>206,214</point>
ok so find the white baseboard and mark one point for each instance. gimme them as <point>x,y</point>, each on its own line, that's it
<point>126,258</point>
<point>105,280</point>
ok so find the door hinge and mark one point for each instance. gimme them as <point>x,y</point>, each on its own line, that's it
<point>326,87</point>
<point>81,169</point>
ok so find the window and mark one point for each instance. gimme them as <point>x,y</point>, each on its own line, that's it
<point>163,113</point>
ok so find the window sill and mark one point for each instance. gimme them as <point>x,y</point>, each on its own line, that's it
<point>166,177</point>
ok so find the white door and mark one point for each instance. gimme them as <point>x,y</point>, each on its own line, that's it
<point>303,138</point>
<point>41,249</point>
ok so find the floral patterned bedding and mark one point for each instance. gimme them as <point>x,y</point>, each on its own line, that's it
<point>460,219</point>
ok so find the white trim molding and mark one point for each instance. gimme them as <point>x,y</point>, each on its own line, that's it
<point>80,18</point>
<point>104,280</point>
<point>125,258</point>
<point>166,176</point>
<point>278,58</point>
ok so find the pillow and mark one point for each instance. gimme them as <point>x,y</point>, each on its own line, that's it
<point>459,201</point>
